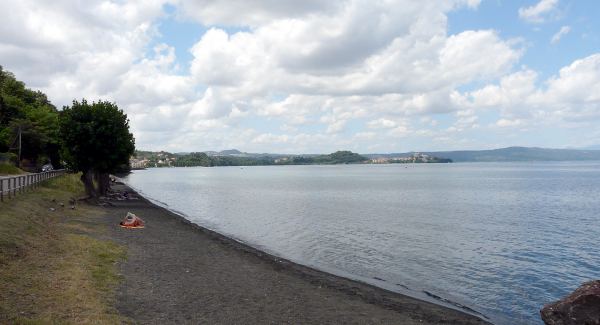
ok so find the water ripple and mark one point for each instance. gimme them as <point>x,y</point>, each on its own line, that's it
<point>500,239</point>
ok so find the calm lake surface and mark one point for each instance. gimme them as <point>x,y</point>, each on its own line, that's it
<point>500,238</point>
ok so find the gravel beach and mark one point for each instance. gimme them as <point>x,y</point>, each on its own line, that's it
<point>178,272</point>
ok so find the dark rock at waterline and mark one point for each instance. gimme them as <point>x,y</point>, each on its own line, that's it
<point>580,307</point>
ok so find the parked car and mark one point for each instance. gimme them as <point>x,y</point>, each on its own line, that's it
<point>47,168</point>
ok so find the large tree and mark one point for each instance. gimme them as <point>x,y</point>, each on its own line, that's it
<point>96,141</point>
<point>28,113</point>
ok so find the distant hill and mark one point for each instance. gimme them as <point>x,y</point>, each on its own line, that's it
<point>237,153</point>
<point>339,157</point>
<point>595,147</point>
<point>237,158</point>
<point>507,154</point>
<point>230,152</point>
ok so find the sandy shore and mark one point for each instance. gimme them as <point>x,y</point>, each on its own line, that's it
<point>177,272</point>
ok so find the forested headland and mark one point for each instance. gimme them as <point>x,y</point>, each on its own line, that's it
<point>203,159</point>
<point>88,137</point>
<point>29,117</point>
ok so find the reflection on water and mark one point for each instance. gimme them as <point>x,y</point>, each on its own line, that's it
<point>500,238</point>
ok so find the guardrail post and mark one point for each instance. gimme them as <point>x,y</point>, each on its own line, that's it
<point>1,190</point>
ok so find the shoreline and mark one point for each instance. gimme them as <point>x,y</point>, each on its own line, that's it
<point>274,258</point>
<point>388,304</point>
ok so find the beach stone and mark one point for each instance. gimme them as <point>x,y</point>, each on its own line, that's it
<point>580,307</point>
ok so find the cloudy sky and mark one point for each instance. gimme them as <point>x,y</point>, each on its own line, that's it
<point>318,76</point>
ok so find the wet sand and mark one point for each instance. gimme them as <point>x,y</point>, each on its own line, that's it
<point>178,272</point>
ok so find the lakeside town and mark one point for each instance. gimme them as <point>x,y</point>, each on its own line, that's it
<point>149,159</point>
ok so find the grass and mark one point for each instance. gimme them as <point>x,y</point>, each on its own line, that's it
<point>8,169</point>
<point>54,268</point>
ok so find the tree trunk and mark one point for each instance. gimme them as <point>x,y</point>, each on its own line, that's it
<point>87,177</point>
<point>103,180</point>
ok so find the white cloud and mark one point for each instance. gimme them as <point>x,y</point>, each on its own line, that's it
<point>381,123</point>
<point>402,50</point>
<point>251,13</point>
<point>365,136</point>
<point>336,126</point>
<point>539,12</point>
<point>564,30</point>
<point>577,83</point>
<point>570,98</point>
<point>270,138</point>
<point>399,132</point>
<point>307,75</point>
<point>509,123</point>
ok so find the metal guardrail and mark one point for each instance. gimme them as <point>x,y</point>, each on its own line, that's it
<point>11,185</point>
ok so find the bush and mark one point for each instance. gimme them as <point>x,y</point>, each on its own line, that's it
<point>9,169</point>
<point>8,158</point>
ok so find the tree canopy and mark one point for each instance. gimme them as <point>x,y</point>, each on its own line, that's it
<point>32,113</point>
<point>96,141</point>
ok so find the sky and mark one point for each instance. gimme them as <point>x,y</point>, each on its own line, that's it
<point>313,76</point>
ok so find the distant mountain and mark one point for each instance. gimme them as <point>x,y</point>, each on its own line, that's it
<point>230,152</point>
<point>507,154</point>
<point>237,153</point>
<point>594,147</point>
<point>226,157</point>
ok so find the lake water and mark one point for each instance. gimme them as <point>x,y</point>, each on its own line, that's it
<point>500,238</point>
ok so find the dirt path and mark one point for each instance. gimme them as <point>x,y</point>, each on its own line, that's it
<point>180,273</point>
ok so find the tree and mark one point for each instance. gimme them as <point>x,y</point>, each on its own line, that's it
<point>95,141</point>
<point>28,113</point>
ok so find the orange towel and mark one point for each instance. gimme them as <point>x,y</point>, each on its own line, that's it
<point>132,221</point>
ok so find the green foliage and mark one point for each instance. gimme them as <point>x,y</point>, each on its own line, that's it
<point>8,158</point>
<point>54,266</point>
<point>341,157</point>
<point>194,159</point>
<point>338,157</point>
<point>241,161</point>
<point>8,169</point>
<point>95,136</point>
<point>165,159</point>
<point>32,113</point>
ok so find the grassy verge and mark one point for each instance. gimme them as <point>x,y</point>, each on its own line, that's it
<point>8,169</point>
<point>53,266</point>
